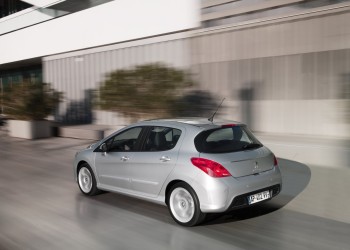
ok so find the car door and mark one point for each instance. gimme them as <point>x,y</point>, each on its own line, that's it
<point>112,165</point>
<point>150,167</point>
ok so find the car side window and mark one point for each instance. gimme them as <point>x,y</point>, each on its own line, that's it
<point>125,141</point>
<point>161,139</point>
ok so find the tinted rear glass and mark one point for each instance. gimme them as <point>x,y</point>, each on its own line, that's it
<point>225,140</point>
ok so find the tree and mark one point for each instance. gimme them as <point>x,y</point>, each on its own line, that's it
<point>149,90</point>
<point>201,103</point>
<point>29,101</point>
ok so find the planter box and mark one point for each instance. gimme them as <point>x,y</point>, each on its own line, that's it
<point>29,129</point>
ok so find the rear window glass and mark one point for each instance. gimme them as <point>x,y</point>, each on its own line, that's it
<point>225,140</point>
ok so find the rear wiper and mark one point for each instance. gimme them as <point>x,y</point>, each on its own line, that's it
<point>252,145</point>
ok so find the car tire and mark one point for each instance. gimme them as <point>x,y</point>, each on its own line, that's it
<point>87,181</point>
<point>183,205</point>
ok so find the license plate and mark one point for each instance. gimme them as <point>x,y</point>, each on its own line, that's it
<point>258,197</point>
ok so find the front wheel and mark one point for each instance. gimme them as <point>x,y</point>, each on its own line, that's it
<point>183,205</point>
<point>87,181</point>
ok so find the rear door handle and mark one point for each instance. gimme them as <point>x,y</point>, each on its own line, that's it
<point>164,158</point>
<point>124,158</point>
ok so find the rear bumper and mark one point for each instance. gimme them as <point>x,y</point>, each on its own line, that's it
<point>241,201</point>
<point>229,193</point>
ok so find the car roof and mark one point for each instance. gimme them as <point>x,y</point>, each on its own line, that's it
<point>197,122</point>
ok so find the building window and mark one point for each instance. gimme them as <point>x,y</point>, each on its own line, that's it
<point>29,74</point>
<point>8,7</point>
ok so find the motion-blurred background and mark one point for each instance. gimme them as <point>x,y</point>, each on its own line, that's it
<point>80,69</point>
<point>283,66</point>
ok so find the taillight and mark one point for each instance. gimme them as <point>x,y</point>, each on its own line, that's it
<point>210,167</point>
<point>275,162</point>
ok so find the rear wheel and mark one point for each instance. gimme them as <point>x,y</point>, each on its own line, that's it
<point>87,180</point>
<point>183,205</point>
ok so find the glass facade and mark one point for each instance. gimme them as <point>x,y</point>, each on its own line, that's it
<point>32,74</point>
<point>8,7</point>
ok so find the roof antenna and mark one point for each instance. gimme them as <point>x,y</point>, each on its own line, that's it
<point>212,117</point>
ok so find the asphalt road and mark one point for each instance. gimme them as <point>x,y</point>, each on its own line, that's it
<point>41,207</point>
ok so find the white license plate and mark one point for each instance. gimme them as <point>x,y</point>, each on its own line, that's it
<point>258,197</point>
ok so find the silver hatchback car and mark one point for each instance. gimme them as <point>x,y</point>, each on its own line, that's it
<point>194,166</point>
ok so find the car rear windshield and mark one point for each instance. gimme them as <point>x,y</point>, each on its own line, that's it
<point>225,140</point>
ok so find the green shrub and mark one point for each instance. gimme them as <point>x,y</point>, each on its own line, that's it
<point>149,90</point>
<point>29,101</point>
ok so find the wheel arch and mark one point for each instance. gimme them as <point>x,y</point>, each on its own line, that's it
<point>169,186</point>
<point>80,163</point>
<point>198,216</point>
<point>78,166</point>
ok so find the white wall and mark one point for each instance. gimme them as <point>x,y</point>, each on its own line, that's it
<point>27,18</point>
<point>116,21</point>
<point>39,12</point>
<point>302,117</point>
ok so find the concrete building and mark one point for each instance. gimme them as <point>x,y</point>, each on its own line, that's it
<point>32,39</point>
<point>283,66</point>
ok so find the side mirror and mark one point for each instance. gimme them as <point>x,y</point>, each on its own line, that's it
<point>103,147</point>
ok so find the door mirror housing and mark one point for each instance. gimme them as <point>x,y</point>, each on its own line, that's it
<point>103,147</point>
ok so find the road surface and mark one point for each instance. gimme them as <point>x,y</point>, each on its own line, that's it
<point>41,207</point>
